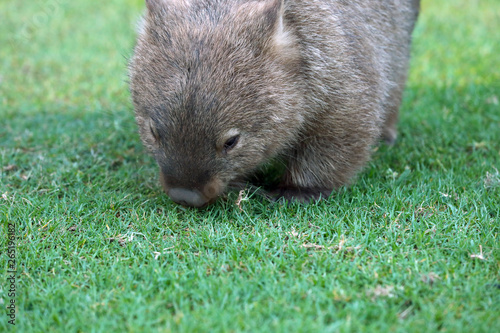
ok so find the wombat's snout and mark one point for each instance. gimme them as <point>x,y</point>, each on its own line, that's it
<point>191,194</point>
<point>187,197</point>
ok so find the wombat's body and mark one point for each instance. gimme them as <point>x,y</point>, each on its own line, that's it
<point>221,87</point>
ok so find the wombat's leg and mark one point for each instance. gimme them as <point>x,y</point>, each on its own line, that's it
<point>390,132</point>
<point>392,103</point>
<point>317,167</point>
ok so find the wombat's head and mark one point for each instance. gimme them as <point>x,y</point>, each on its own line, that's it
<point>215,89</point>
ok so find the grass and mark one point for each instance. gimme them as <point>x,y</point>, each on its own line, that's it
<point>413,245</point>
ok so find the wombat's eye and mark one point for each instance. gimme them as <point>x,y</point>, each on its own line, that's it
<point>231,143</point>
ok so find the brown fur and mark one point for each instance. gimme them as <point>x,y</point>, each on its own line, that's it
<point>314,83</point>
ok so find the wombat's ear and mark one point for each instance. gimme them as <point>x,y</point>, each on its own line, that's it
<point>266,12</point>
<point>156,5</point>
<point>271,11</point>
<point>266,18</point>
<point>153,5</point>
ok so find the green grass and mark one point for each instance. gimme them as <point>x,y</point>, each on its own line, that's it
<point>101,248</point>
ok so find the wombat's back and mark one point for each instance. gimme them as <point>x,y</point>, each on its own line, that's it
<point>352,46</point>
<point>355,61</point>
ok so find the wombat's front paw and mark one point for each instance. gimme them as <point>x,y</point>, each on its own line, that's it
<point>389,136</point>
<point>302,195</point>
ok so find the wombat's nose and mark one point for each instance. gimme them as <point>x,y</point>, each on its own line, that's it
<point>185,197</point>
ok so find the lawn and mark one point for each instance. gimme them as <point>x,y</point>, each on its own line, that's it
<point>413,245</point>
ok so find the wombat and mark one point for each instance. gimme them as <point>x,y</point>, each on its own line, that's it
<point>222,87</point>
